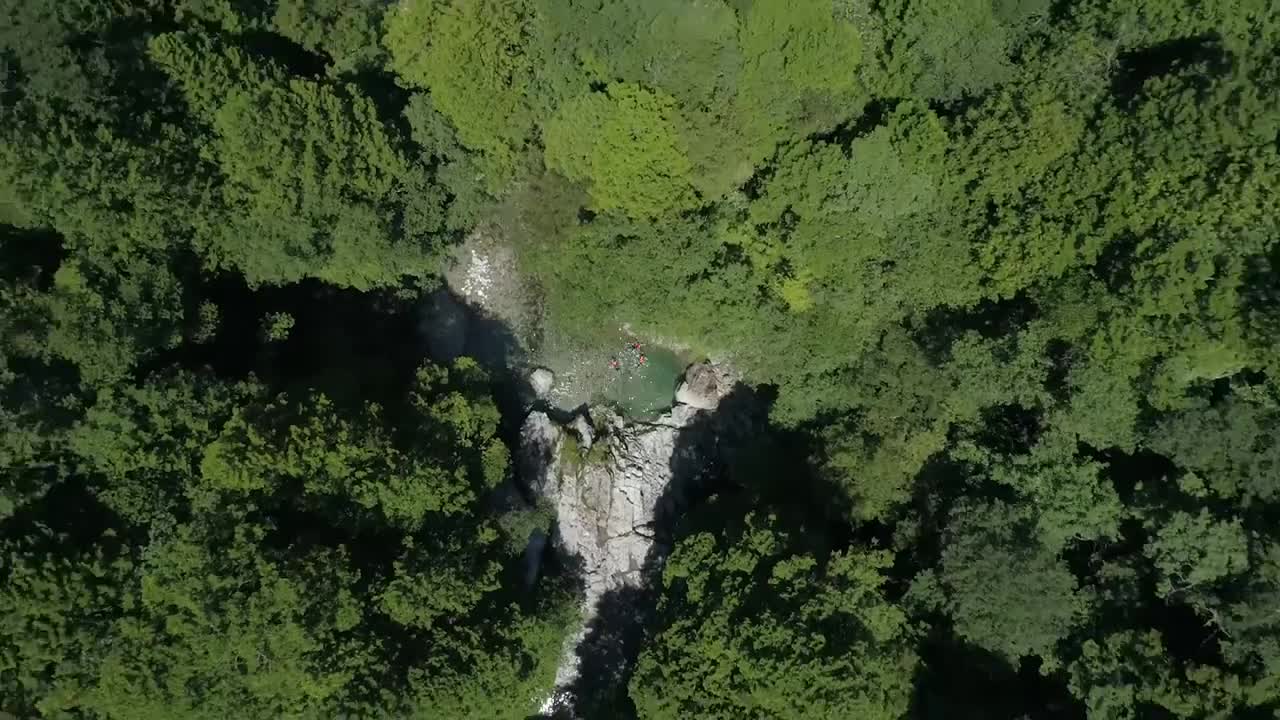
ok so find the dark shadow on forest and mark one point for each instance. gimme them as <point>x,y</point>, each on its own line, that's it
<point>355,347</point>
<point>280,50</point>
<point>1138,66</point>
<point>709,456</point>
<point>452,328</point>
<point>937,330</point>
<point>959,681</point>
<point>30,256</point>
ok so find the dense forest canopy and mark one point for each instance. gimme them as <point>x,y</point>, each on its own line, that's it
<point>1008,270</point>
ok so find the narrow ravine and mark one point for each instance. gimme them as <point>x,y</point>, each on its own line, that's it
<point>612,441</point>
<point>616,493</point>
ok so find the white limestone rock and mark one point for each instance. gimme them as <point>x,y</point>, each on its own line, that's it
<point>542,380</point>
<point>703,386</point>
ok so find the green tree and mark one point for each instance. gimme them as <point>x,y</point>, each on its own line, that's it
<point>233,610</point>
<point>1190,551</point>
<point>471,56</point>
<point>261,636</point>
<point>1230,446</point>
<point>1004,590</point>
<point>1251,626</point>
<point>142,444</point>
<point>105,319</point>
<point>276,326</point>
<point>288,446</point>
<point>1073,498</point>
<point>38,397</point>
<point>753,626</point>
<point>56,609</point>
<point>687,50</point>
<point>746,75</point>
<point>39,41</point>
<point>847,213</point>
<point>232,16</point>
<point>316,185</point>
<point>951,48</point>
<point>1124,673</point>
<point>799,72</point>
<point>348,32</point>
<point>624,145</point>
<point>316,176</point>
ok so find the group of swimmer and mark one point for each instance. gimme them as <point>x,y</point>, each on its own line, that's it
<point>634,348</point>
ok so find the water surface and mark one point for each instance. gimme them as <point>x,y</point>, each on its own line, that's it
<point>643,390</point>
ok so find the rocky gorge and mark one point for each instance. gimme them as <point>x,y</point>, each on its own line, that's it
<point>616,487</point>
<point>610,476</point>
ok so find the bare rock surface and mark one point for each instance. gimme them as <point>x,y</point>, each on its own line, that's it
<point>540,443</point>
<point>613,507</point>
<point>484,273</point>
<point>607,509</point>
<point>541,380</point>
<point>704,385</point>
<point>582,427</point>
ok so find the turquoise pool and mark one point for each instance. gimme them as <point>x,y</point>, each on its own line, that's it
<point>643,390</point>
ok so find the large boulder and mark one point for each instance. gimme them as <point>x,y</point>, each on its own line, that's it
<point>542,380</point>
<point>538,468</point>
<point>581,426</point>
<point>703,387</point>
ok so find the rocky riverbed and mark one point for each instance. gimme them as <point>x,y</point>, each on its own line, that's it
<point>616,486</point>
